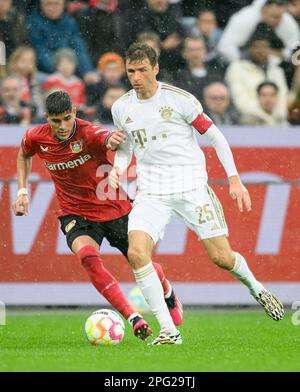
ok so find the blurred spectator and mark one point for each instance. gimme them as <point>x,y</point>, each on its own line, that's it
<point>206,27</point>
<point>111,71</point>
<point>223,10</point>
<point>12,109</point>
<point>22,63</point>
<point>198,73</point>
<point>159,16</point>
<point>64,78</point>
<point>131,5</point>
<point>294,104</point>
<point>243,24</point>
<point>265,113</point>
<point>13,31</point>
<point>218,105</point>
<point>152,39</point>
<point>162,18</point>
<point>77,5</point>
<point>294,10</point>
<point>102,28</point>
<point>26,6</point>
<point>244,76</point>
<point>110,96</point>
<point>51,28</point>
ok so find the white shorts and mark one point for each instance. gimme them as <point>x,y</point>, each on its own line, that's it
<point>200,209</point>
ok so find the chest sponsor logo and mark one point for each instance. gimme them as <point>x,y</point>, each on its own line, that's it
<point>76,147</point>
<point>68,165</point>
<point>140,137</point>
<point>166,112</point>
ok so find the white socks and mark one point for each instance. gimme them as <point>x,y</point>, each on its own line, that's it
<point>150,285</point>
<point>242,272</point>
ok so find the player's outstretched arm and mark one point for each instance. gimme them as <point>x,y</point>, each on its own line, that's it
<point>236,189</point>
<point>115,140</point>
<point>20,206</point>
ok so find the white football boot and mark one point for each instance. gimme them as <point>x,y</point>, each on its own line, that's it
<point>165,337</point>
<point>273,307</point>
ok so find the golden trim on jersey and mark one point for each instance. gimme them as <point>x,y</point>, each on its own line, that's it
<point>128,94</point>
<point>176,90</point>
<point>218,207</point>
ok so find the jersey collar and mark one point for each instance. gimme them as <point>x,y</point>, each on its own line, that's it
<point>72,134</point>
<point>154,97</point>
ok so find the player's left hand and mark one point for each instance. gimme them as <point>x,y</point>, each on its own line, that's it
<point>239,193</point>
<point>115,140</point>
<point>114,178</point>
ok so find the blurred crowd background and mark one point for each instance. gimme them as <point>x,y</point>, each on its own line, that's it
<point>238,57</point>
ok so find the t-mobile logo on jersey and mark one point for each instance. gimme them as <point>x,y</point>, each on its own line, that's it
<point>2,314</point>
<point>68,165</point>
<point>2,53</point>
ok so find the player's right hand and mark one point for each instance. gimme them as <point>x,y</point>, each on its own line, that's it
<point>20,206</point>
<point>116,138</point>
<point>114,178</point>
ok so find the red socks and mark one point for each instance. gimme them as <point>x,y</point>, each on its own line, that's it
<point>164,282</point>
<point>107,285</point>
<point>103,281</point>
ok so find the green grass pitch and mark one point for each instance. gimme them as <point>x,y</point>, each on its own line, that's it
<point>214,340</point>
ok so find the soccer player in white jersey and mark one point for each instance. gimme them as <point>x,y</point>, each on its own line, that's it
<point>160,122</point>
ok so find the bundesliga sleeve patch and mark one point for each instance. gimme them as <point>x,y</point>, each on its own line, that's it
<point>202,123</point>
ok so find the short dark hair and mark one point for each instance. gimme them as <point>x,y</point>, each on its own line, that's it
<point>267,84</point>
<point>58,102</point>
<point>139,51</point>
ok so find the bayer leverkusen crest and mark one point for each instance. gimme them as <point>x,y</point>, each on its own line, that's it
<point>76,146</point>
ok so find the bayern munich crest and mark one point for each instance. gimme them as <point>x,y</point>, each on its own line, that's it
<point>166,112</point>
<point>76,146</point>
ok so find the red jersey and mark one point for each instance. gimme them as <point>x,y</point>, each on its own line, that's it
<point>79,168</point>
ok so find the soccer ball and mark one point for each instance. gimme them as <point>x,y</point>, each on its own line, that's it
<point>104,328</point>
<point>137,301</point>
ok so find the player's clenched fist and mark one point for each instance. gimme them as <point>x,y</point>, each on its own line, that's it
<point>114,178</point>
<point>115,140</point>
<point>20,206</point>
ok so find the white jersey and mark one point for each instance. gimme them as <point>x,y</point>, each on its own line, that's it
<point>158,130</point>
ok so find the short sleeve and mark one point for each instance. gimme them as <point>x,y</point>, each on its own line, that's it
<point>191,108</point>
<point>98,135</point>
<point>115,116</point>
<point>28,144</point>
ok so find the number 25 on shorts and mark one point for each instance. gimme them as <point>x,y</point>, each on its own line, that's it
<point>204,214</point>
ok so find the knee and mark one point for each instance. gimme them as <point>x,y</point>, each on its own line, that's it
<point>223,258</point>
<point>138,257</point>
<point>88,255</point>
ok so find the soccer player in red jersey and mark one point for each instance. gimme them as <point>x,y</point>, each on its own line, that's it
<point>73,151</point>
